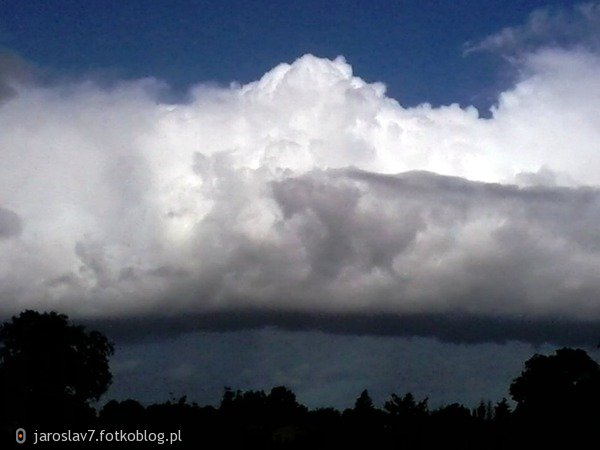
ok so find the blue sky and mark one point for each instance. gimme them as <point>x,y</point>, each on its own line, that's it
<point>216,175</point>
<point>414,47</point>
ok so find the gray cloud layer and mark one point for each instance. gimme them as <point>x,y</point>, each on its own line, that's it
<point>422,242</point>
<point>308,194</point>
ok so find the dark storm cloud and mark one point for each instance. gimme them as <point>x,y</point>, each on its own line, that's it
<point>452,328</point>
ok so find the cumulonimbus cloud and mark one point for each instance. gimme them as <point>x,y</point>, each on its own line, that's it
<point>308,191</point>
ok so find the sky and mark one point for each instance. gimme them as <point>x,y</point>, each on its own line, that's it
<point>330,198</point>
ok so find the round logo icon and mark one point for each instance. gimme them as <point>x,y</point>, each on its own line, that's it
<point>20,436</point>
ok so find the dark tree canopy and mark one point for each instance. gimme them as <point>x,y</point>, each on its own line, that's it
<point>565,385</point>
<point>50,367</point>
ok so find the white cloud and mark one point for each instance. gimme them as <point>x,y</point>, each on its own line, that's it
<point>278,194</point>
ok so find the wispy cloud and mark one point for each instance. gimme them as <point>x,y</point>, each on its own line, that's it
<point>546,27</point>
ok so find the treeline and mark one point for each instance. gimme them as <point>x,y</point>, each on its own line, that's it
<point>51,372</point>
<point>275,420</point>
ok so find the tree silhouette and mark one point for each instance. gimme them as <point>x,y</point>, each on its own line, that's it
<point>559,392</point>
<point>406,408</point>
<point>406,419</point>
<point>282,406</point>
<point>364,404</point>
<point>502,411</point>
<point>562,386</point>
<point>50,369</point>
<point>123,414</point>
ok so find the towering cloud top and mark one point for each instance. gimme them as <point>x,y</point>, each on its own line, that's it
<point>306,191</point>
